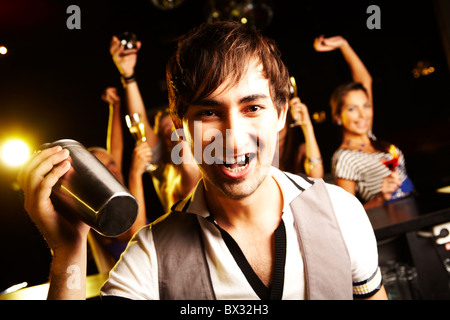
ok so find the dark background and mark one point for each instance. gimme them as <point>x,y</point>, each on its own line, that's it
<point>52,78</point>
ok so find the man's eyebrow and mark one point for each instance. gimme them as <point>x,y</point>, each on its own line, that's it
<point>206,102</point>
<point>214,103</point>
<point>253,97</point>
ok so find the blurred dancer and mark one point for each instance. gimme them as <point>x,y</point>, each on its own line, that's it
<point>359,165</point>
<point>172,182</point>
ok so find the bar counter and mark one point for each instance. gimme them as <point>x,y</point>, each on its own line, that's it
<point>409,221</point>
<point>410,214</point>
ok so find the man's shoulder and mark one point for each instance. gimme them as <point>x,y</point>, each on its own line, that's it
<point>174,222</point>
<point>298,180</point>
<point>342,196</point>
<point>338,196</point>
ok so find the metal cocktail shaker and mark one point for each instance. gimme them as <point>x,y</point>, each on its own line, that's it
<point>92,193</point>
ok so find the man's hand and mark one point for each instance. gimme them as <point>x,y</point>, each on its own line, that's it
<point>37,178</point>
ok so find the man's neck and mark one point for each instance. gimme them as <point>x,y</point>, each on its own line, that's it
<point>263,208</point>
<point>251,222</point>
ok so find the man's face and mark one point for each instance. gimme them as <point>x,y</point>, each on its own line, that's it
<point>237,128</point>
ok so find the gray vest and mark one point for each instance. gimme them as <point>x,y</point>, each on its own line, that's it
<point>183,270</point>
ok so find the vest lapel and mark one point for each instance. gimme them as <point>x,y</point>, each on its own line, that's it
<point>182,267</point>
<point>325,256</point>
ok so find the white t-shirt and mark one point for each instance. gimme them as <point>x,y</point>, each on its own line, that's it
<point>136,274</point>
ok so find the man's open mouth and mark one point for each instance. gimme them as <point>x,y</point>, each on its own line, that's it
<point>237,163</point>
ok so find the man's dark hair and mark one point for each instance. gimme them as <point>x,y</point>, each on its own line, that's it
<point>215,52</point>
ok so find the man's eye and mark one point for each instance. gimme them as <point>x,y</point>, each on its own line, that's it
<point>207,113</point>
<point>254,108</point>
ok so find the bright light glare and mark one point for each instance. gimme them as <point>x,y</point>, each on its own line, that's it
<point>3,50</point>
<point>15,152</point>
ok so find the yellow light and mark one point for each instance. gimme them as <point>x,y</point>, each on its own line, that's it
<point>444,190</point>
<point>3,50</point>
<point>235,13</point>
<point>244,20</point>
<point>319,116</point>
<point>15,152</point>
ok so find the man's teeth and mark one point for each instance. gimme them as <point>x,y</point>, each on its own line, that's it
<point>237,169</point>
<point>233,160</point>
<point>234,164</point>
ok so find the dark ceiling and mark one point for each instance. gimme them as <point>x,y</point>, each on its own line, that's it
<point>52,78</point>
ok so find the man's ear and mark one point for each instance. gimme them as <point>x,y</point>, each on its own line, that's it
<point>282,114</point>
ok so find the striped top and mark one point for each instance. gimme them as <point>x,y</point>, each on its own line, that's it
<point>366,169</point>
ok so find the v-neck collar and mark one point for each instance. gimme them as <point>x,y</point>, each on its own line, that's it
<point>275,291</point>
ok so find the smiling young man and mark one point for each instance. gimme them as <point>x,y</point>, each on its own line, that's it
<point>248,231</point>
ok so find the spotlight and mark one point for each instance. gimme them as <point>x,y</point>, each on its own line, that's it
<point>15,152</point>
<point>3,50</point>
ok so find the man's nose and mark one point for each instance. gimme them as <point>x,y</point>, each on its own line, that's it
<point>236,134</point>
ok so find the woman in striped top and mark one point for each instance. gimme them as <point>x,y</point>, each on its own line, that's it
<point>358,165</point>
<point>366,173</point>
